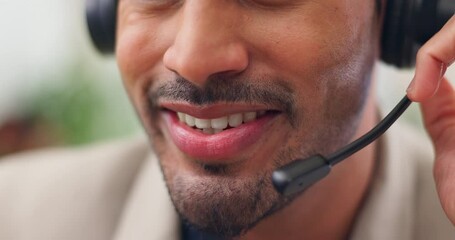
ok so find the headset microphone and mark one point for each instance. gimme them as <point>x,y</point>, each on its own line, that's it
<point>302,173</point>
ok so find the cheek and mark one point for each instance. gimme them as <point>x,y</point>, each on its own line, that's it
<point>132,54</point>
<point>305,51</point>
<point>316,41</point>
<point>141,44</point>
<point>136,60</point>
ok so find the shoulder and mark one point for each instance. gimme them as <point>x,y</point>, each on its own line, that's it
<point>410,141</point>
<point>62,191</point>
<point>416,151</point>
<point>79,164</point>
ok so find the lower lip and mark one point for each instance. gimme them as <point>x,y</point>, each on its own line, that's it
<point>218,147</point>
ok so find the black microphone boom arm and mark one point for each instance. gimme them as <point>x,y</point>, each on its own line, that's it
<point>302,173</point>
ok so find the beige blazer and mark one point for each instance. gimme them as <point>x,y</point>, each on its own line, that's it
<point>115,191</point>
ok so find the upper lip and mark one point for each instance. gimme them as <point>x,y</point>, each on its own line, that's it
<point>215,110</point>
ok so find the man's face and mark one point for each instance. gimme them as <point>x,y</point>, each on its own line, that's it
<point>265,82</point>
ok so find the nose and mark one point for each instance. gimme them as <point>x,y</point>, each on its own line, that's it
<point>206,43</point>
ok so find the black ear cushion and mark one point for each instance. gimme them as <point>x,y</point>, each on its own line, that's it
<point>408,24</point>
<point>397,43</point>
<point>101,19</point>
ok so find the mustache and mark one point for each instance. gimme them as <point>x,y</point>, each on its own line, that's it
<point>266,91</point>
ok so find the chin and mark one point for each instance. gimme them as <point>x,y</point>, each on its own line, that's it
<point>216,198</point>
<point>223,205</point>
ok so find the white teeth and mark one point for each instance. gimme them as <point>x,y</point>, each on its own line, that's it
<point>249,117</point>
<point>202,123</point>
<point>181,116</point>
<point>220,123</point>
<point>190,121</point>
<point>235,120</point>
<point>213,126</point>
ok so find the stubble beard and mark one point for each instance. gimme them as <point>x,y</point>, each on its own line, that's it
<point>222,203</point>
<point>228,206</point>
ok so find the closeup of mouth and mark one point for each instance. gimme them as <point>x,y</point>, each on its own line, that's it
<point>218,125</point>
<point>217,134</point>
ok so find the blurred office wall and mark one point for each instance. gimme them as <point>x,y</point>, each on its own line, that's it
<point>54,87</point>
<point>392,84</point>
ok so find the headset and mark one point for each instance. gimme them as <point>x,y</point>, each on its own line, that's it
<point>408,24</point>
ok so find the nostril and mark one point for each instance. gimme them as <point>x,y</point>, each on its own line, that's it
<point>196,62</point>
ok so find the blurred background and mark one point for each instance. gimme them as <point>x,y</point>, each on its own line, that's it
<point>56,90</point>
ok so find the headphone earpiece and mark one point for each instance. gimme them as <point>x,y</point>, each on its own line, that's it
<point>102,20</point>
<point>396,43</point>
<point>407,25</point>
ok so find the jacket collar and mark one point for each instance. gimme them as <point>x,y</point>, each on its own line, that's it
<point>149,213</point>
<point>388,210</point>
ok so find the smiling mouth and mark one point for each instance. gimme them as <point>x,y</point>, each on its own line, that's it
<point>217,134</point>
<point>218,125</point>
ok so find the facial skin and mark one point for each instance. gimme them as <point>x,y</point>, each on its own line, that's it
<point>307,63</point>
